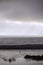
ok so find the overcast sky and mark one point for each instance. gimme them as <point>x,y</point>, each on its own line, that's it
<point>19,28</point>
<point>21,18</point>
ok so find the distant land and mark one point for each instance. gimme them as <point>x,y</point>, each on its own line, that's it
<point>27,46</point>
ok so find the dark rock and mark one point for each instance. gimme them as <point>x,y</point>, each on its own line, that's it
<point>27,57</point>
<point>10,60</point>
<point>37,58</point>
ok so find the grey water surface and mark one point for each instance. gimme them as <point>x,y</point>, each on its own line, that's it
<point>20,40</point>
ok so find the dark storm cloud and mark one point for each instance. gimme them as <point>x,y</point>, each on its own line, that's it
<point>22,9</point>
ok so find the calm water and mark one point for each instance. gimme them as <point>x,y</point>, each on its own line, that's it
<point>19,56</point>
<point>21,41</point>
